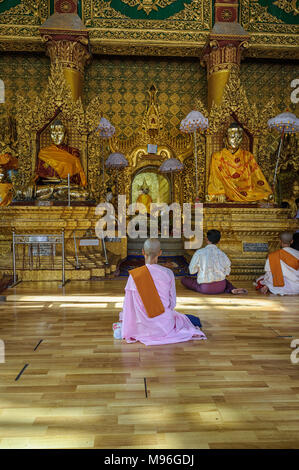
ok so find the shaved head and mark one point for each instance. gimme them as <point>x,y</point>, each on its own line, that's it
<point>151,247</point>
<point>286,237</point>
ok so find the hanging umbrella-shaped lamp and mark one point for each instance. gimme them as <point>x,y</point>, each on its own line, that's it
<point>105,130</point>
<point>116,160</point>
<point>285,123</point>
<point>172,165</point>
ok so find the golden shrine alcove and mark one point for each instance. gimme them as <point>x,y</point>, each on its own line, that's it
<point>34,119</point>
<point>159,185</point>
<point>148,149</point>
<point>235,107</point>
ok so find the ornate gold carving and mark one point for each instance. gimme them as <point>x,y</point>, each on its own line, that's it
<point>33,116</point>
<point>96,12</point>
<point>144,49</point>
<point>185,33</point>
<point>35,6</point>
<point>256,18</point>
<point>70,54</point>
<point>288,171</point>
<point>148,5</point>
<point>223,53</point>
<point>235,103</point>
<point>236,106</point>
<point>260,52</point>
<point>290,6</point>
<point>194,11</point>
<point>27,12</point>
<point>152,131</point>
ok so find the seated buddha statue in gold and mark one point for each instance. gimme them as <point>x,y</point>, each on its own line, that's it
<point>144,197</point>
<point>235,175</point>
<point>57,162</point>
<point>7,163</point>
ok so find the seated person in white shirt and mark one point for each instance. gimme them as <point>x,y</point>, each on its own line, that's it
<point>212,266</point>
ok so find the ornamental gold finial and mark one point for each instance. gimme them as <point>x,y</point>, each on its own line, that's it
<point>144,186</point>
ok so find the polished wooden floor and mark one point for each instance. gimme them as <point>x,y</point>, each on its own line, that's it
<point>83,389</point>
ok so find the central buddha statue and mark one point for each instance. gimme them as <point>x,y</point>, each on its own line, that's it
<point>55,163</point>
<point>144,198</point>
<point>234,173</point>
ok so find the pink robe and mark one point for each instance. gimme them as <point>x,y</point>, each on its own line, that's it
<point>169,327</point>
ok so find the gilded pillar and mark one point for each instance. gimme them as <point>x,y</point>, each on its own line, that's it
<point>221,56</point>
<point>67,44</point>
<point>224,48</point>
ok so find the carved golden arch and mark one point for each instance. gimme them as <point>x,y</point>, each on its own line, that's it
<point>151,168</point>
<point>235,106</point>
<point>34,117</point>
<point>152,131</point>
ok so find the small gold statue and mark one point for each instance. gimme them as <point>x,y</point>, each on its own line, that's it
<point>234,173</point>
<point>54,164</point>
<point>144,197</point>
<point>7,163</point>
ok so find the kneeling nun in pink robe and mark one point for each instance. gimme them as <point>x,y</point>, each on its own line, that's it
<point>138,322</point>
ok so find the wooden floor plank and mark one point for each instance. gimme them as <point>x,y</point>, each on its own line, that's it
<point>83,389</point>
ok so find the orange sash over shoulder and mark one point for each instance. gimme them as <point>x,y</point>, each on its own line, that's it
<point>275,266</point>
<point>147,291</point>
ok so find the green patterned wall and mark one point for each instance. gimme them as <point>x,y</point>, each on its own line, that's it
<point>264,79</point>
<point>23,74</point>
<point>285,10</point>
<point>123,83</point>
<point>7,4</point>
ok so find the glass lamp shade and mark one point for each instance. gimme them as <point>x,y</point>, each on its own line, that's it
<point>116,160</point>
<point>171,165</point>
<point>195,120</point>
<point>105,129</point>
<point>285,121</point>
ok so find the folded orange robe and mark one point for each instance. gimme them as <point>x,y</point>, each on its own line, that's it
<point>9,163</point>
<point>146,200</point>
<point>147,291</point>
<point>237,176</point>
<point>275,266</point>
<point>5,194</point>
<point>63,162</point>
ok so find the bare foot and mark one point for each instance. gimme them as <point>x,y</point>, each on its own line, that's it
<point>239,291</point>
<point>264,290</point>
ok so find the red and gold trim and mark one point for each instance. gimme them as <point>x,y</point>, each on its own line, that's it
<point>65,6</point>
<point>226,12</point>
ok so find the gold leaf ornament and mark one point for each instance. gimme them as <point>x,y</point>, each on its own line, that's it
<point>289,6</point>
<point>148,5</point>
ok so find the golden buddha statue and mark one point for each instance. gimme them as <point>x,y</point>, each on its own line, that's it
<point>144,198</point>
<point>55,163</point>
<point>7,162</point>
<point>234,173</point>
